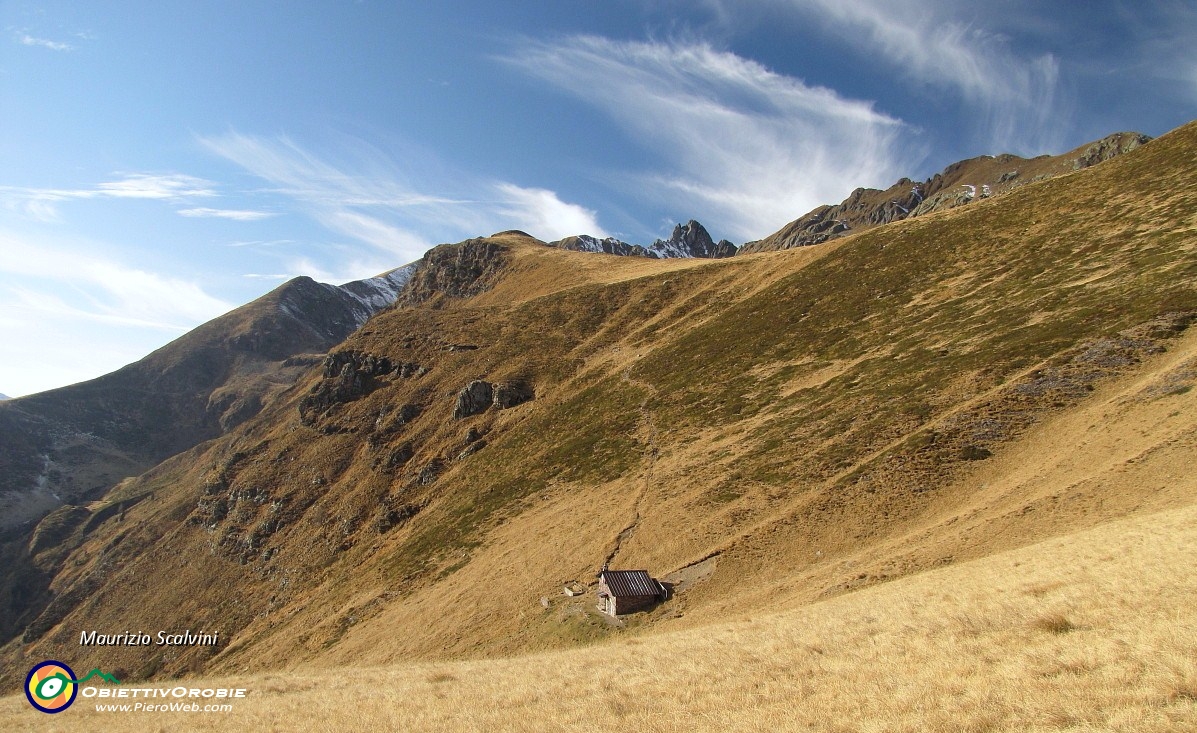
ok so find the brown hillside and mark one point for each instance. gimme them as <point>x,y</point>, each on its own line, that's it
<point>814,421</point>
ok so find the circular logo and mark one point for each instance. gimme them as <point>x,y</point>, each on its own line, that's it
<point>51,686</point>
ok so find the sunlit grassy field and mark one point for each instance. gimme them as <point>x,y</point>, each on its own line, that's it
<point>1090,632</point>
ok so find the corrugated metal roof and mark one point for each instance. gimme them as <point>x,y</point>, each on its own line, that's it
<point>623,583</point>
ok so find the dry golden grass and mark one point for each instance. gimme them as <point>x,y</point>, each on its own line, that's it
<point>1094,631</point>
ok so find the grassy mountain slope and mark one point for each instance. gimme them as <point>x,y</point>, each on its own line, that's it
<point>773,429</point>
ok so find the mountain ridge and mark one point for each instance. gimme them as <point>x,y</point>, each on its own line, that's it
<point>957,185</point>
<point>67,447</point>
<point>686,241</point>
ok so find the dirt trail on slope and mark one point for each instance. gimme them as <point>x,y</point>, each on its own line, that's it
<point>646,433</point>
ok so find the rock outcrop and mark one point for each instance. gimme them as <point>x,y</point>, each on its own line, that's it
<point>455,271</point>
<point>512,394</point>
<point>347,376</point>
<point>479,395</point>
<point>1108,147</point>
<point>474,398</point>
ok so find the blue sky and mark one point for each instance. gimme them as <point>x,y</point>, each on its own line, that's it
<point>162,162</point>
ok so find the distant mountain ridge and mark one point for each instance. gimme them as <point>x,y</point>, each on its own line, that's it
<point>63,449</point>
<point>687,240</point>
<point>64,444</point>
<point>959,184</point>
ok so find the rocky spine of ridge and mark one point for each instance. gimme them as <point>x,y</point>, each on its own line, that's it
<point>959,184</point>
<point>607,245</point>
<point>687,240</point>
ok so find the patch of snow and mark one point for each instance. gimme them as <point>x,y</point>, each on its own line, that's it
<point>668,248</point>
<point>376,293</point>
<point>587,243</point>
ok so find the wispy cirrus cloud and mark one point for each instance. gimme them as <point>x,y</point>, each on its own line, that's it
<point>747,146</point>
<point>151,186</point>
<point>371,199</point>
<point>69,313</point>
<point>41,203</point>
<point>28,40</point>
<point>101,288</point>
<point>171,186</point>
<point>1014,98</point>
<point>234,214</point>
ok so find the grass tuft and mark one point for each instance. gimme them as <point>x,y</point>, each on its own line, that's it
<point>1055,623</point>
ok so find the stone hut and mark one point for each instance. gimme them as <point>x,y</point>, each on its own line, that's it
<point>627,591</point>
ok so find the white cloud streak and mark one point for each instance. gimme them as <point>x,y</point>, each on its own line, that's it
<point>234,214</point>
<point>40,203</point>
<point>29,40</point>
<point>148,186</point>
<point>104,290</point>
<point>1014,100</point>
<point>372,201</point>
<point>750,148</point>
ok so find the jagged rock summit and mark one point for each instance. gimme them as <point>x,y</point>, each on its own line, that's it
<point>692,240</point>
<point>687,240</point>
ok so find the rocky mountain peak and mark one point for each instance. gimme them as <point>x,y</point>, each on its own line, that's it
<point>687,240</point>
<point>692,240</point>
